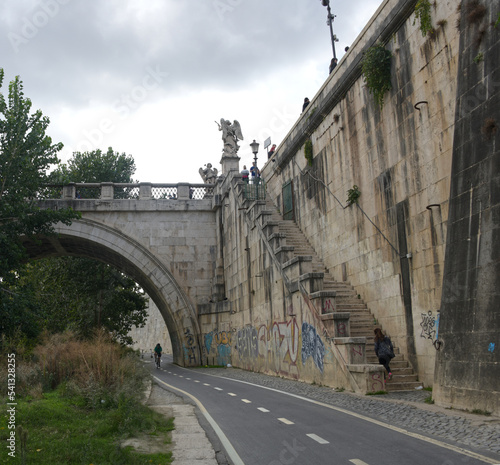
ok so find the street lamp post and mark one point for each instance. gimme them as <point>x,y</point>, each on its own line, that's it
<point>329,21</point>
<point>255,148</point>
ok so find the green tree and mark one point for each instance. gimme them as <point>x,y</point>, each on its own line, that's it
<point>26,154</point>
<point>97,166</point>
<point>82,293</point>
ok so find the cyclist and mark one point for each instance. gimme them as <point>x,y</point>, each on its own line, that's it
<point>158,351</point>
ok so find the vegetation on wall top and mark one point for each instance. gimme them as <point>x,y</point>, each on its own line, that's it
<point>376,68</point>
<point>423,14</point>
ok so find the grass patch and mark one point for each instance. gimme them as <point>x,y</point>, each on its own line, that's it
<point>377,393</point>
<point>78,401</point>
<point>428,388</point>
<point>481,412</point>
<point>429,400</point>
<point>61,431</point>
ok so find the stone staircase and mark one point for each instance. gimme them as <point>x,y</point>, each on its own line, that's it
<point>361,320</point>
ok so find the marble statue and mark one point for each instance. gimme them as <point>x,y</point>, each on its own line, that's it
<point>208,174</point>
<point>231,133</point>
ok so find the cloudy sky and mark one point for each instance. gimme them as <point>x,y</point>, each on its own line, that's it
<point>150,78</point>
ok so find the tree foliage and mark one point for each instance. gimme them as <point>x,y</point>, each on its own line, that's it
<point>26,153</point>
<point>81,293</point>
<point>376,68</point>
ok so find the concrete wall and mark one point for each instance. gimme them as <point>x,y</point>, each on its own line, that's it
<point>399,157</point>
<point>468,364</point>
<point>154,331</point>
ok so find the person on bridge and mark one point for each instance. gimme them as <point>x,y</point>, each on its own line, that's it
<point>384,350</point>
<point>244,174</point>
<point>158,352</point>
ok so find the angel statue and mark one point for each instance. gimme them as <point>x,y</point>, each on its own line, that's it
<point>209,174</point>
<point>231,133</point>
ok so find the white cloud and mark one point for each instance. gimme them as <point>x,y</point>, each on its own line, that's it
<point>150,78</point>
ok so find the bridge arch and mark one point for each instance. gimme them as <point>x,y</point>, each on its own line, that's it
<point>91,239</point>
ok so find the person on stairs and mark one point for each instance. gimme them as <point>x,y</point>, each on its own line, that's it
<point>384,350</point>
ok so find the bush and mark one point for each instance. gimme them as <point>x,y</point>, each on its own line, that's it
<point>98,371</point>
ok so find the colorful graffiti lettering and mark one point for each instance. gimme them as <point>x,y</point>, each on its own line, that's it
<point>277,343</point>
<point>222,349</point>
<point>312,346</point>
<point>428,325</point>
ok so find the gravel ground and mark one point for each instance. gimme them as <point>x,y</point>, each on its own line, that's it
<point>405,409</point>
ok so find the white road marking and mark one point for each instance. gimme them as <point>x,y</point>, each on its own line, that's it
<point>317,438</point>
<point>231,394</point>
<point>262,409</point>
<point>180,376</point>
<point>287,422</point>
<point>218,389</point>
<point>206,384</point>
<point>421,437</point>
<point>196,381</point>
<point>189,378</point>
<point>246,401</point>
<point>225,441</point>
<point>358,462</point>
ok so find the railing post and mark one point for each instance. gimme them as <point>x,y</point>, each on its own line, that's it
<point>145,191</point>
<point>107,191</point>
<point>183,191</point>
<point>68,192</point>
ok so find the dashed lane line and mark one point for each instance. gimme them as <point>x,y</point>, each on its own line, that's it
<point>421,437</point>
<point>286,422</point>
<point>262,409</point>
<point>218,389</point>
<point>232,394</point>
<point>317,438</point>
<point>246,401</point>
<point>358,462</point>
<point>206,384</point>
<point>233,455</point>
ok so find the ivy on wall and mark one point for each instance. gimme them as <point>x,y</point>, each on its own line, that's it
<point>376,68</point>
<point>308,151</point>
<point>423,14</point>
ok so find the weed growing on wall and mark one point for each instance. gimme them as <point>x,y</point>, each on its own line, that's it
<point>376,68</point>
<point>423,14</point>
<point>353,195</point>
<point>308,152</point>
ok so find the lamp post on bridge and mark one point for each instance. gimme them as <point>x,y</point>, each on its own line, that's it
<point>330,17</point>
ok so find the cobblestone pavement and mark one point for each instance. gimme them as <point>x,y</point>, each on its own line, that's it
<point>405,409</point>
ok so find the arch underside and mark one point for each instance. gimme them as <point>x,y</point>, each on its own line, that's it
<point>87,238</point>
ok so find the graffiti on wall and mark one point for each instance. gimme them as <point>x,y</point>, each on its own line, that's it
<point>428,325</point>
<point>312,346</point>
<point>189,347</point>
<point>218,346</point>
<point>277,343</point>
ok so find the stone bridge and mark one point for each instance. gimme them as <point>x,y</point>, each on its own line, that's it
<point>163,235</point>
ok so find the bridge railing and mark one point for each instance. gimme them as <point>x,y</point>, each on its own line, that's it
<point>140,191</point>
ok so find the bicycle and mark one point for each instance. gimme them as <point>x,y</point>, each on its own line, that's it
<point>157,360</point>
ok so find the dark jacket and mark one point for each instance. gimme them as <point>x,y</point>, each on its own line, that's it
<point>384,348</point>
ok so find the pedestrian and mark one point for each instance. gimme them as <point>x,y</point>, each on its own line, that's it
<point>333,64</point>
<point>271,152</point>
<point>244,173</point>
<point>384,350</point>
<point>306,102</point>
<point>254,171</point>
